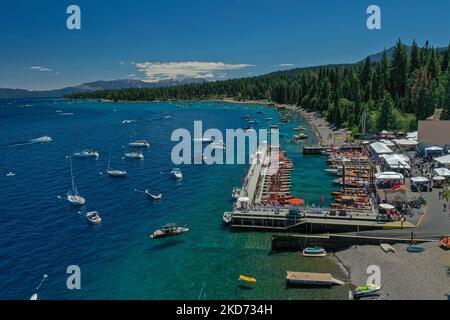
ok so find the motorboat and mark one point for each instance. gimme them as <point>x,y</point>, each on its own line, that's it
<point>87,153</point>
<point>42,139</point>
<point>314,252</point>
<point>93,217</point>
<point>117,173</point>
<point>134,155</point>
<point>204,139</point>
<point>139,144</point>
<point>177,173</point>
<point>10,174</point>
<point>128,121</point>
<point>152,196</point>
<point>369,290</point>
<point>72,195</point>
<point>227,217</point>
<point>169,230</point>
<point>236,193</point>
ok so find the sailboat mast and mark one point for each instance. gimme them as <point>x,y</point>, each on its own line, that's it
<point>71,175</point>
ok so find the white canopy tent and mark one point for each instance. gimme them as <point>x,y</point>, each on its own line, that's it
<point>387,206</point>
<point>443,172</point>
<point>388,143</point>
<point>434,150</point>
<point>444,160</point>
<point>396,161</point>
<point>380,148</point>
<point>388,175</point>
<point>411,135</point>
<point>405,142</point>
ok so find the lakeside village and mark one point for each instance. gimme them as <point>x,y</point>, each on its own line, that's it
<point>385,184</point>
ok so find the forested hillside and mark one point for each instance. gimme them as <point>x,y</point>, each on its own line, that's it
<point>392,93</point>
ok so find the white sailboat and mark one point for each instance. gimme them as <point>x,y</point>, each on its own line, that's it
<point>34,296</point>
<point>176,173</point>
<point>115,172</point>
<point>72,195</point>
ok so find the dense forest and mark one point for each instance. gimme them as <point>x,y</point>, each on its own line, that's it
<point>392,93</point>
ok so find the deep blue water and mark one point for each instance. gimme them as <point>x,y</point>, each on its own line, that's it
<point>40,233</point>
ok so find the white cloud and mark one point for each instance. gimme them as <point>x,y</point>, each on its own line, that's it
<point>156,71</point>
<point>286,65</point>
<point>41,69</point>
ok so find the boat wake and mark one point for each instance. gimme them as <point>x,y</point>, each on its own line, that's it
<point>32,141</point>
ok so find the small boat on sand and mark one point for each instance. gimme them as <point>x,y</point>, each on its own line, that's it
<point>247,279</point>
<point>93,217</point>
<point>152,196</point>
<point>445,242</point>
<point>415,249</point>
<point>169,230</point>
<point>369,290</point>
<point>314,252</point>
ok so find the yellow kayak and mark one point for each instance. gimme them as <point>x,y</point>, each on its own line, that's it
<point>247,279</point>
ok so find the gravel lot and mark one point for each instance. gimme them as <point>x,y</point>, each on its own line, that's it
<point>404,276</point>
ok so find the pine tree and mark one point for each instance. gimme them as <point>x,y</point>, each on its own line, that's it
<point>415,57</point>
<point>398,74</point>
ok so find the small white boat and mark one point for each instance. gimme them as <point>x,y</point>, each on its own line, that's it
<point>177,173</point>
<point>10,174</point>
<point>139,144</point>
<point>314,252</point>
<point>116,173</point>
<point>134,155</point>
<point>227,217</point>
<point>204,139</point>
<point>169,230</point>
<point>72,196</point>
<point>128,121</point>
<point>369,290</point>
<point>236,193</point>
<point>42,139</point>
<point>87,153</point>
<point>167,117</point>
<point>387,248</point>
<point>34,296</point>
<point>152,196</point>
<point>334,171</point>
<point>218,145</point>
<point>93,217</point>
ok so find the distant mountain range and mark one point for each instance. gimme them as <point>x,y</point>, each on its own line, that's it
<point>128,83</point>
<point>91,86</point>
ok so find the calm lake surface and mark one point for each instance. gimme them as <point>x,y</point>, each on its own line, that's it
<point>40,233</point>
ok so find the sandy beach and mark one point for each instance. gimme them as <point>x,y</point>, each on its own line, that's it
<point>404,276</point>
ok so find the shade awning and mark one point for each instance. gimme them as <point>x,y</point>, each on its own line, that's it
<point>389,176</point>
<point>243,199</point>
<point>445,160</point>
<point>296,201</point>
<point>380,148</point>
<point>444,172</point>
<point>439,178</point>
<point>434,149</point>
<point>387,206</point>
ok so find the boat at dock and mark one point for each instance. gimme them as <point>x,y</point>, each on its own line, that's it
<point>227,217</point>
<point>312,279</point>
<point>134,155</point>
<point>87,153</point>
<point>139,144</point>
<point>169,230</point>
<point>415,249</point>
<point>314,252</point>
<point>93,217</point>
<point>387,248</point>
<point>366,291</point>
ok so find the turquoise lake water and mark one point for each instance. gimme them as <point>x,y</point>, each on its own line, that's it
<point>41,234</point>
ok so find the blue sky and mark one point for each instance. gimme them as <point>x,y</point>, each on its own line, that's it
<point>151,40</point>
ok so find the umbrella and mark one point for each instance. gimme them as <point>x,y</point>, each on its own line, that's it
<point>296,201</point>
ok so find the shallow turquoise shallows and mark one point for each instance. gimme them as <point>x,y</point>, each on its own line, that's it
<point>40,233</point>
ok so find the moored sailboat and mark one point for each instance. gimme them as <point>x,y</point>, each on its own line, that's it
<point>72,195</point>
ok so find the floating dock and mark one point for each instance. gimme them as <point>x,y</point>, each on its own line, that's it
<point>312,279</point>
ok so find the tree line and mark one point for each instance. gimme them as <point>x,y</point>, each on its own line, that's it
<point>389,94</point>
